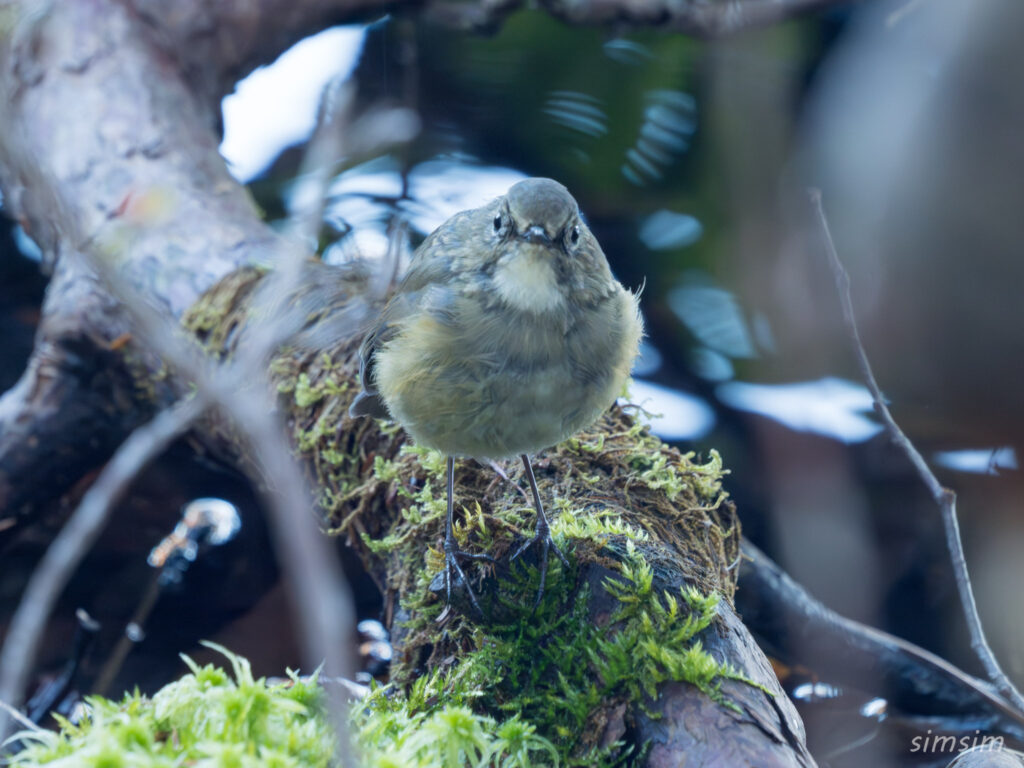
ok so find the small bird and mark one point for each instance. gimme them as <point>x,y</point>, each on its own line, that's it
<point>507,335</point>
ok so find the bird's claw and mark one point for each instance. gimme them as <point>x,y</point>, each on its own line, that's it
<point>451,563</point>
<point>542,536</point>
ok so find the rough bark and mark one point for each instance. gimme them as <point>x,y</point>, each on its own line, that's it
<point>104,143</point>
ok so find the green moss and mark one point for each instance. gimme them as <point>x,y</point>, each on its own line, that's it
<point>559,670</point>
<point>634,515</point>
<point>660,471</point>
<point>307,394</point>
<point>212,719</point>
<point>385,471</point>
<point>393,731</point>
<point>207,718</point>
<point>597,527</point>
<point>657,640</point>
<point>430,461</point>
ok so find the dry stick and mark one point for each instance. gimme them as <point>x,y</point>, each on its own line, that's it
<point>325,150</point>
<point>320,594</point>
<point>319,591</point>
<point>705,21</point>
<point>75,539</point>
<point>17,716</point>
<point>945,498</point>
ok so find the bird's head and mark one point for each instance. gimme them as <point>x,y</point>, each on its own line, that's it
<point>539,215</point>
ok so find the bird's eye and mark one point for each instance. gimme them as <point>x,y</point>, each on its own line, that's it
<point>497,223</point>
<point>574,236</point>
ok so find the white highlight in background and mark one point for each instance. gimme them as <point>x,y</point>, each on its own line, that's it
<point>672,415</point>
<point>982,461</point>
<point>276,106</point>
<point>831,407</point>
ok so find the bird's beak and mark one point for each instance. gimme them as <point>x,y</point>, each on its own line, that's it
<point>536,235</point>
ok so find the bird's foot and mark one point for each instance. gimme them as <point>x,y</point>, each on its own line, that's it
<point>542,537</point>
<point>451,565</point>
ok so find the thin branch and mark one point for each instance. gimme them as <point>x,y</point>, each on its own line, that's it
<point>944,498</point>
<point>20,718</point>
<point>75,539</point>
<point>319,592</point>
<point>344,136</point>
<point>792,626</point>
<point>704,20</point>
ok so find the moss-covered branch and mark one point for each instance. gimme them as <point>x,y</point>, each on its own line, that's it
<point>634,640</point>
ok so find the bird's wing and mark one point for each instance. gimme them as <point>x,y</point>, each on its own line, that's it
<point>430,269</point>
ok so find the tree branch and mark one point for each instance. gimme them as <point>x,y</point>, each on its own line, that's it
<point>216,44</point>
<point>134,184</point>
<point>703,20</point>
<point>133,189</point>
<point>74,541</point>
<point>797,629</point>
<point>944,498</point>
<point>139,149</point>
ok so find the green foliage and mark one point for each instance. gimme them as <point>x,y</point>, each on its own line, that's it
<point>395,732</point>
<point>597,527</point>
<point>528,692</point>
<point>657,642</point>
<point>209,719</point>
<point>206,719</point>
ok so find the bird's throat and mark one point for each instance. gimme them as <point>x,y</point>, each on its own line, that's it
<point>527,282</point>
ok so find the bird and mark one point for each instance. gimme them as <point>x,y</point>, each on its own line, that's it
<point>507,335</point>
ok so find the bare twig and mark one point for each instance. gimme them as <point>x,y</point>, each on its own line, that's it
<point>320,162</point>
<point>844,651</point>
<point>75,539</point>
<point>697,19</point>
<point>319,592</point>
<point>320,596</point>
<point>944,497</point>
<point>20,718</point>
<point>91,231</point>
<point>344,136</point>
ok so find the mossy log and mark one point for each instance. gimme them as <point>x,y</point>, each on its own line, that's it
<point>636,650</point>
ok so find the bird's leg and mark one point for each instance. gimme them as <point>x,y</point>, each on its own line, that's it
<point>451,551</point>
<point>541,535</point>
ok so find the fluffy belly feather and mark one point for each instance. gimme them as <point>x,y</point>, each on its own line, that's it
<point>494,392</point>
